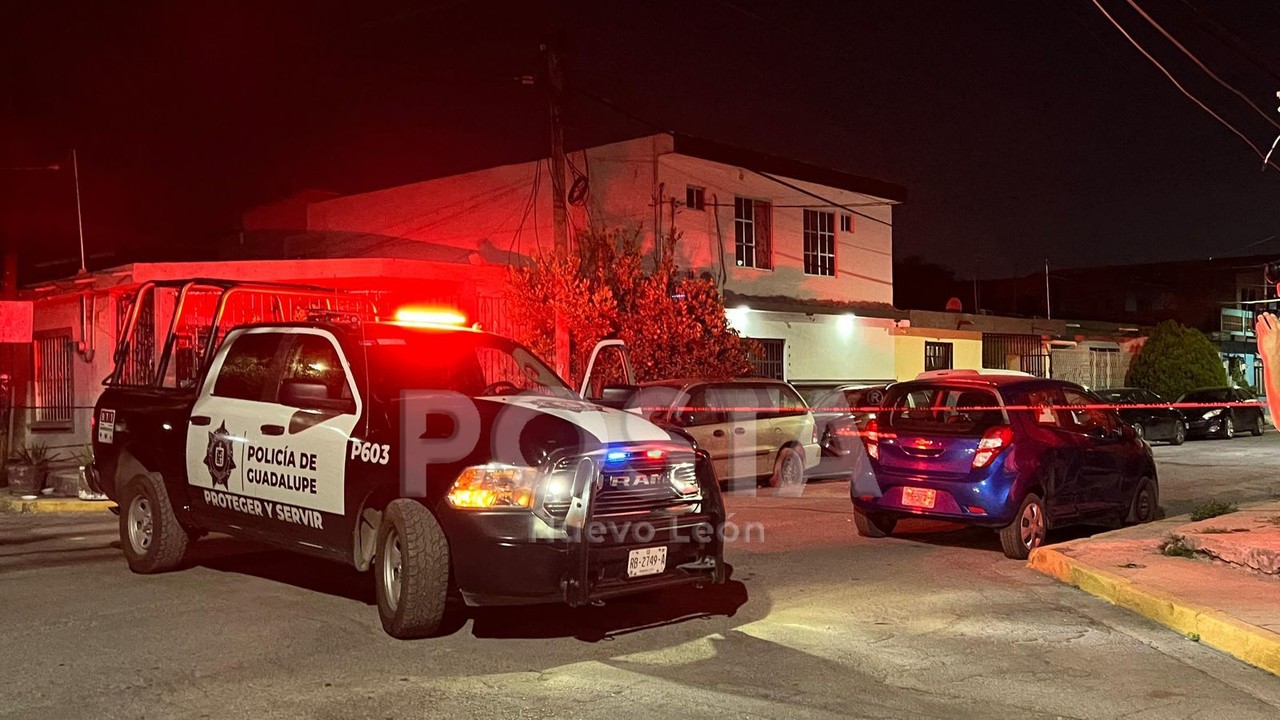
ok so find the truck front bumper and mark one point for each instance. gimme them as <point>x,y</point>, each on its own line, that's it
<point>519,558</point>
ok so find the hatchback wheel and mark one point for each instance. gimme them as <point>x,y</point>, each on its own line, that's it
<point>1179,432</point>
<point>1140,431</point>
<point>1228,428</point>
<point>873,525</point>
<point>1258,426</point>
<point>1027,531</point>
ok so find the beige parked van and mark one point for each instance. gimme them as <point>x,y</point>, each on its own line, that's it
<point>753,429</point>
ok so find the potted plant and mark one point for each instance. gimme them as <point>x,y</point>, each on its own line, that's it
<point>27,468</point>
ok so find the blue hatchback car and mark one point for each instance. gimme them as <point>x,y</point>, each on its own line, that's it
<point>1009,451</point>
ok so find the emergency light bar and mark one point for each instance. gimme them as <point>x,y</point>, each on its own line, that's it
<point>430,316</point>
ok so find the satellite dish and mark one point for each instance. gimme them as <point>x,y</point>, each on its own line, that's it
<point>954,305</point>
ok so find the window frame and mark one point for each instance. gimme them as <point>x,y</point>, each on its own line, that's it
<point>819,261</point>
<point>846,223</point>
<point>60,414</point>
<point>695,197</point>
<point>949,355</point>
<point>760,228</point>
<point>757,365</point>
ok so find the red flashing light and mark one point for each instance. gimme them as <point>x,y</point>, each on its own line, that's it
<point>430,316</point>
<point>993,442</point>
<point>655,454</point>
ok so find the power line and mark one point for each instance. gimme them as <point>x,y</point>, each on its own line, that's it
<point>1242,47</point>
<point>1178,85</point>
<point>1201,65</point>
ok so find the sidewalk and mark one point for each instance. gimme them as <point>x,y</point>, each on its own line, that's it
<point>1226,595</point>
<point>16,504</point>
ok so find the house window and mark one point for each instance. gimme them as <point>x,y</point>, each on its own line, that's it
<point>695,198</point>
<point>54,386</point>
<point>819,243</point>
<point>768,362</point>
<point>937,356</point>
<point>753,233</point>
<point>846,223</point>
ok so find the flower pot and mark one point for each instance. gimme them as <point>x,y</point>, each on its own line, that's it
<point>25,479</point>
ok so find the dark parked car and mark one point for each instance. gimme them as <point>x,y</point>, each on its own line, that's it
<point>1224,421</point>
<point>951,448</point>
<point>1151,416</point>
<point>839,413</point>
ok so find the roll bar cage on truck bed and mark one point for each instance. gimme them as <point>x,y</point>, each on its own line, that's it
<point>196,314</point>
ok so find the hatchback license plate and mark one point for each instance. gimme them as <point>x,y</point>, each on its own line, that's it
<point>919,497</point>
<point>646,561</point>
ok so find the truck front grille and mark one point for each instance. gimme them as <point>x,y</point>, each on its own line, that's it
<point>630,489</point>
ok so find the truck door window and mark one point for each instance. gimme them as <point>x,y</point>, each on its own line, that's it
<point>247,369</point>
<point>314,363</point>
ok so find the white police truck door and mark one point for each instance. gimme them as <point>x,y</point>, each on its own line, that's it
<point>235,396</point>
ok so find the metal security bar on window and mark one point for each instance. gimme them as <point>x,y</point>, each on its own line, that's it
<point>819,243</point>
<point>753,233</point>
<point>54,385</point>
<point>937,356</point>
<point>1001,350</point>
<point>769,362</point>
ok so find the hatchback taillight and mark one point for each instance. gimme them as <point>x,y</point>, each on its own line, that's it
<point>993,442</point>
<point>871,438</point>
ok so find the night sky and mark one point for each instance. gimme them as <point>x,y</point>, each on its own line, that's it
<point>1022,129</point>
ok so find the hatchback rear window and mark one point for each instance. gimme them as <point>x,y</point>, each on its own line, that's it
<point>942,409</point>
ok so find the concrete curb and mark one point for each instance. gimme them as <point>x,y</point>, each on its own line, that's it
<point>1254,645</point>
<point>15,504</point>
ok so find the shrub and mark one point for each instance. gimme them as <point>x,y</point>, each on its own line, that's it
<point>1175,360</point>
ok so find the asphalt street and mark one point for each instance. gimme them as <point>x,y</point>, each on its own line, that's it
<point>816,622</point>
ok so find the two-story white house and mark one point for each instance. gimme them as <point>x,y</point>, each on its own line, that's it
<point>803,254</point>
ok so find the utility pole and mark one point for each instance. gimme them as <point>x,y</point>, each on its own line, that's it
<point>553,68</point>
<point>75,171</point>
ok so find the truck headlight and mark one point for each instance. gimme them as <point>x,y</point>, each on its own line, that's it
<point>494,486</point>
<point>1211,414</point>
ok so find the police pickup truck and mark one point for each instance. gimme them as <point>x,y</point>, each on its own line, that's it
<point>444,459</point>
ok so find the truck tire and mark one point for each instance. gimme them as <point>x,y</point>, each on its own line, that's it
<point>152,538</point>
<point>411,570</point>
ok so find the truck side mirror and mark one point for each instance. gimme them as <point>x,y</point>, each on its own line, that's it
<point>304,394</point>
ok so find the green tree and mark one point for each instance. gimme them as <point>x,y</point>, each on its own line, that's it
<point>673,326</point>
<point>1176,359</point>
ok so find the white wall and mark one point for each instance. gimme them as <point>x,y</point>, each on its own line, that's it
<point>631,185</point>
<point>824,348</point>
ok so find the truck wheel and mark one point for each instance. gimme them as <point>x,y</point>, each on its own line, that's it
<point>873,525</point>
<point>788,469</point>
<point>411,570</point>
<point>150,535</point>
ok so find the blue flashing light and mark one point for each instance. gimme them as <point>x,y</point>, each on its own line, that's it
<point>614,456</point>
